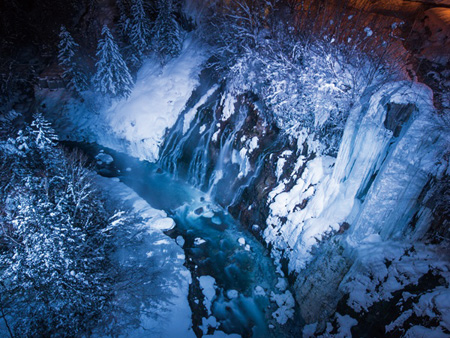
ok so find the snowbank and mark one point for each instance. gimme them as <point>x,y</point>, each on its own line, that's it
<point>135,125</point>
<point>158,97</point>
<point>175,321</point>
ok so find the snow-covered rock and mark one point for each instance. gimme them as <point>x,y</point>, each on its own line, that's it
<point>391,146</point>
<point>393,142</point>
<point>286,303</point>
<point>208,285</point>
<point>104,158</point>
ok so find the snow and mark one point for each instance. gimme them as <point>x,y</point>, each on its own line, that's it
<point>137,124</point>
<point>281,162</point>
<point>199,241</point>
<point>423,332</point>
<point>371,279</point>
<point>345,324</point>
<point>180,241</point>
<point>104,158</point>
<point>252,144</point>
<point>282,284</point>
<point>399,321</point>
<point>241,158</point>
<point>208,286</point>
<point>332,191</point>
<point>259,291</point>
<point>156,101</point>
<point>285,204</point>
<point>164,224</point>
<point>215,136</point>
<point>438,300</point>
<point>309,330</point>
<point>241,241</point>
<point>286,304</point>
<point>232,294</point>
<point>341,326</point>
<point>211,321</point>
<point>174,322</point>
<point>228,106</point>
<point>280,166</point>
<point>368,31</point>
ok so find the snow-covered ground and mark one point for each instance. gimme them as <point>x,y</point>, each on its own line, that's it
<point>135,125</point>
<point>158,98</point>
<point>175,320</point>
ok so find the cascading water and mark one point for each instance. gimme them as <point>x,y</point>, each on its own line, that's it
<point>212,152</point>
<point>185,151</point>
<point>215,147</point>
<point>234,281</point>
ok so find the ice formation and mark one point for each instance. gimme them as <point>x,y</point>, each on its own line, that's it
<point>391,146</point>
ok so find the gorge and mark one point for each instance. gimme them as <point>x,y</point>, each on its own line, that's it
<point>299,180</point>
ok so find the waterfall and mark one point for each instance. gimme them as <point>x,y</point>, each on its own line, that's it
<point>208,146</point>
<point>185,150</point>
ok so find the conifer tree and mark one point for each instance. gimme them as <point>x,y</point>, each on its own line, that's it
<point>44,135</point>
<point>112,75</point>
<point>124,20</point>
<point>168,40</point>
<point>67,49</point>
<point>139,29</point>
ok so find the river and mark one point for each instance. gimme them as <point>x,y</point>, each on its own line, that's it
<point>233,276</point>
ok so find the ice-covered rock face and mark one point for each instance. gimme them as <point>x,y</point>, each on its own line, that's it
<point>402,160</point>
<point>392,145</point>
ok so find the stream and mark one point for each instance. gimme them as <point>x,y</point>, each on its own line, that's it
<point>233,276</point>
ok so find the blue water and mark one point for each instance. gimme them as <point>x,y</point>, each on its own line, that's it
<point>211,244</point>
<point>234,266</point>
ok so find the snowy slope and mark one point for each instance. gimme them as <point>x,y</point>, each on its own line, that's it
<point>135,125</point>
<point>175,321</point>
<point>158,97</point>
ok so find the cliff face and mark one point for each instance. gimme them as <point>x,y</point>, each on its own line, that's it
<point>322,215</point>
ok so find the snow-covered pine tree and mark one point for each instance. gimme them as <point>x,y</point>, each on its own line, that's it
<point>43,132</point>
<point>168,40</point>
<point>124,19</point>
<point>79,81</point>
<point>67,49</point>
<point>112,76</point>
<point>55,272</point>
<point>139,29</point>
